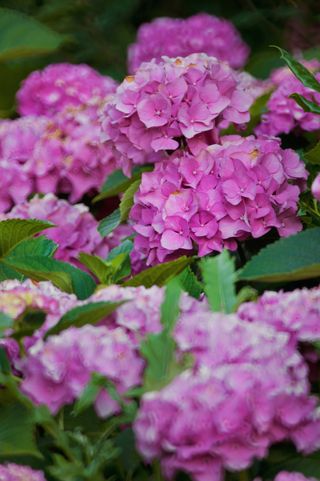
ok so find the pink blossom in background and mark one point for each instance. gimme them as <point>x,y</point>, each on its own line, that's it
<point>296,313</point>
<point>283,113</point>
<point>175,37</point>
<point>16,185</point>
<point>171,103</point>
<point>286,476</point>
<point>244,396</point>
<point>315,188</point>
<point>48,91</point>
<point>57,370</point>
<point>17,472</point>
<point>240,188</point>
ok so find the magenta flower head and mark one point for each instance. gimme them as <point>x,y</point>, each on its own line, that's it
<point>242,187</point>
<point>244,396</point>
<point>17,472</point>
<point>57,370</point>
<point>48,91</point>
<point>75,228</point>
<point>175,37</point>
<point>296,313</point>
<point>283,113</point>
<point>315,188</point>
<point>170,104</point>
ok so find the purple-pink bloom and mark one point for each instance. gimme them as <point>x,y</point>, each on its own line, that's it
<point>48,91</point>
<point>244,396</point>
<point>238,188</point>
<point>176,101</point>
<point>315,188</point>
<point>17,472</point>
<point>292,476</point>
<point>201,33</point>
<point>75,228</point>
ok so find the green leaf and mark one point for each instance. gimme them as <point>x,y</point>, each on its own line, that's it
<point>246,294</point>
<point>13,231</point>
<point>124,248</point>
<point>16,430</point>
<point>160,274</point>
<point>86,314</point>
<point>5,322</point>
<point>5,367</point>
<point>100,268</point>
<point>219,281</point>
<point>307,105</point>
<point>119,258</point>
<point>23,36</point>
<point>65,276</point>
<point>190,283</point>
<point>162,366</point>
<point>109,223</point>
<point>39,246</point>
<point>117,182</point>
<point>90,393</point>
<point>170,307</point>
<point>299,70</point>
<point>127,200</point>
<point>289,259</point>
<point>313,155</point>
<point>29,321</point>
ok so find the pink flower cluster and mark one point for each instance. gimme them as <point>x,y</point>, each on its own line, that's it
<point>175,37</point>
<point>75,228</point>
<point>315,188</point>
<point>167,104</point>
<point>17,472</point>
<point>244,396</point>
<point>283,113</point>
<point>239,188</point>
<point>57,370</point>
<point>49,91</point>
<point>286,476</point>
<point>296,312</point>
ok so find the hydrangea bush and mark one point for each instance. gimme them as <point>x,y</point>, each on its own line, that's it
<point>178,337</point>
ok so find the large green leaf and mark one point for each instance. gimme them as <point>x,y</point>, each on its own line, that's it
<point>39,246</point>
<point>290,259</point>
<point>13,231</point>
<point>190,283</point>
<point>16,430</point>
<point>127,200</point>
<point>299,70</point>
<point>86,314</point>
<point>23,36</point>
<point>159,275</point>
<point>63,275</point>
<point>99,267</point>
<point>219,281</point>
<point>312,156</point>
<point>170,307</point>
<point>117,182</point>
<point>109,223</point>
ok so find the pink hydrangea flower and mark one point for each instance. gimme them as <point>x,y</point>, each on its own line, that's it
<point>244,395</point>
<point>171,103</point>
<point>286,476</point>
<point>48,91</point>
<point>17,472</point>
<point>242,187</point>
<point>283,113</point>
<point>296,313</point>
<point>175,37</point>
<point>57,370</point>
<point>315,188</point>
<point>75,231</point>
<point>16,185</point>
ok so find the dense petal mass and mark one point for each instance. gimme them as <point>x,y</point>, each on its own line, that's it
<point>177,101</point>
<point>48,91</point>
<point>75,228</point>
<point>244,396</point>
<point>242,187</point>
<point>17,472</point>
<point>175,37</point>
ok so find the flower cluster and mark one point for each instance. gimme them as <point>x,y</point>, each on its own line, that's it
<point>75,228</point>
<point>57,370</point>
<point>315,188</point>
<point>296,312</point>
<point>176,37</point>
<point>167,104</point>
<point>241,187</point>
<point>141,312</point>
<point>49,91</point>
<point>244,396</point>
<point>286,476</point>
<point>284,114</point>
<point>17,472</point>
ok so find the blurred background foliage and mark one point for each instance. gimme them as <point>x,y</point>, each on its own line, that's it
<point>34,33</point>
